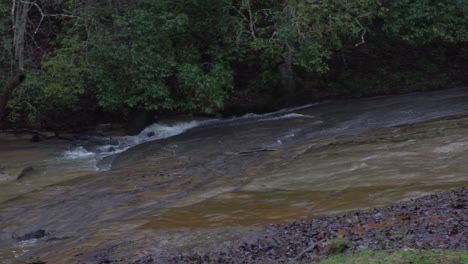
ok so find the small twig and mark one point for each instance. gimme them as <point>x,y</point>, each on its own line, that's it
<point>254,151</point>
<point>303,252</point>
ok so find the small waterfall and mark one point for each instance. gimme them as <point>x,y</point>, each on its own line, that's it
<point>97,148</point>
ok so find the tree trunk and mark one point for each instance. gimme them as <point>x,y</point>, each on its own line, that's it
<point>19,19</point>
<point>8,90</point>
<point>287,77</point>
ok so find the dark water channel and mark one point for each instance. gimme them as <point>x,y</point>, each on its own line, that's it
<point>225,179</point>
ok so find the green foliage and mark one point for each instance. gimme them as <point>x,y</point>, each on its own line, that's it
<point>55,90</point>
<point>199,87</point>
<point>425,21</point>
<point>126,77</point>
<point>36,104</point>
<point>310,31</point>
<point>191,55</point>
<point>338,245</point>
<point>66,73</point>
<point>155,62</point>
<point>312,58</point>
<point>24,101</point>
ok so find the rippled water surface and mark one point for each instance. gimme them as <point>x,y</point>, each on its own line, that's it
<point>136,195</point>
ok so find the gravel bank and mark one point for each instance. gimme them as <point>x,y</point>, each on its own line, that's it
<point>434,221</point>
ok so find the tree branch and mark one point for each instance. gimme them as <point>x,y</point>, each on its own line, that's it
<point>43,14</point>
<point>363,41</point>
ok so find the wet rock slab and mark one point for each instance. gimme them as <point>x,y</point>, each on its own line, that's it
<point>435,221</point>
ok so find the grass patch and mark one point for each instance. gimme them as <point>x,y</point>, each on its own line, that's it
<point>338,246</point>
<point>406,256</point>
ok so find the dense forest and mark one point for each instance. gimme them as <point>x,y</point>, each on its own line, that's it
<point>67,64</point>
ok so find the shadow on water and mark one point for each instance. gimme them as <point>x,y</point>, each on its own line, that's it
<point>201,177</point>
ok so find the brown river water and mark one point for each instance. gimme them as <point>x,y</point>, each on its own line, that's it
<point>198,185</point>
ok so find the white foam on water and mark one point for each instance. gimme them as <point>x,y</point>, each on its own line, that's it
<point>452,147</point>
<point>164,131</point>
<point>293,109</point>
<point>393,154</point>
<point>151,133</point>
<point>286,116</point>
<point>358,166</point>
<point>78,153</point>
<point>28,242</point>
<point>120,144</point>
<point>23,247</point>
<point>251,118</point>
<point>250,115</point>
<point>158,131</point>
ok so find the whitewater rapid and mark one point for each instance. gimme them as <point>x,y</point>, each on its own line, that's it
<point>101,147</point>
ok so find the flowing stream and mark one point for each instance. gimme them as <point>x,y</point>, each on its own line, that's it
<point>200,184</point>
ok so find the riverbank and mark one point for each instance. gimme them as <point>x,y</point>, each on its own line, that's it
<point>438,221</point>
<point>224,182</point>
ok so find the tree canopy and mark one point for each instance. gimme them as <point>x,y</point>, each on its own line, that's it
<point>192,56</point>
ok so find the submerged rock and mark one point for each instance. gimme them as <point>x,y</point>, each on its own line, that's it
<point>138,121</point>
<point>38,234</point>
<point>25,172</point>
<point>111,149</point>
<point>102,128</point>
<point>36,138</point>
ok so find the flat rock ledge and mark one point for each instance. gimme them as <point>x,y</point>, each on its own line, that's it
<point>438,221</point>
